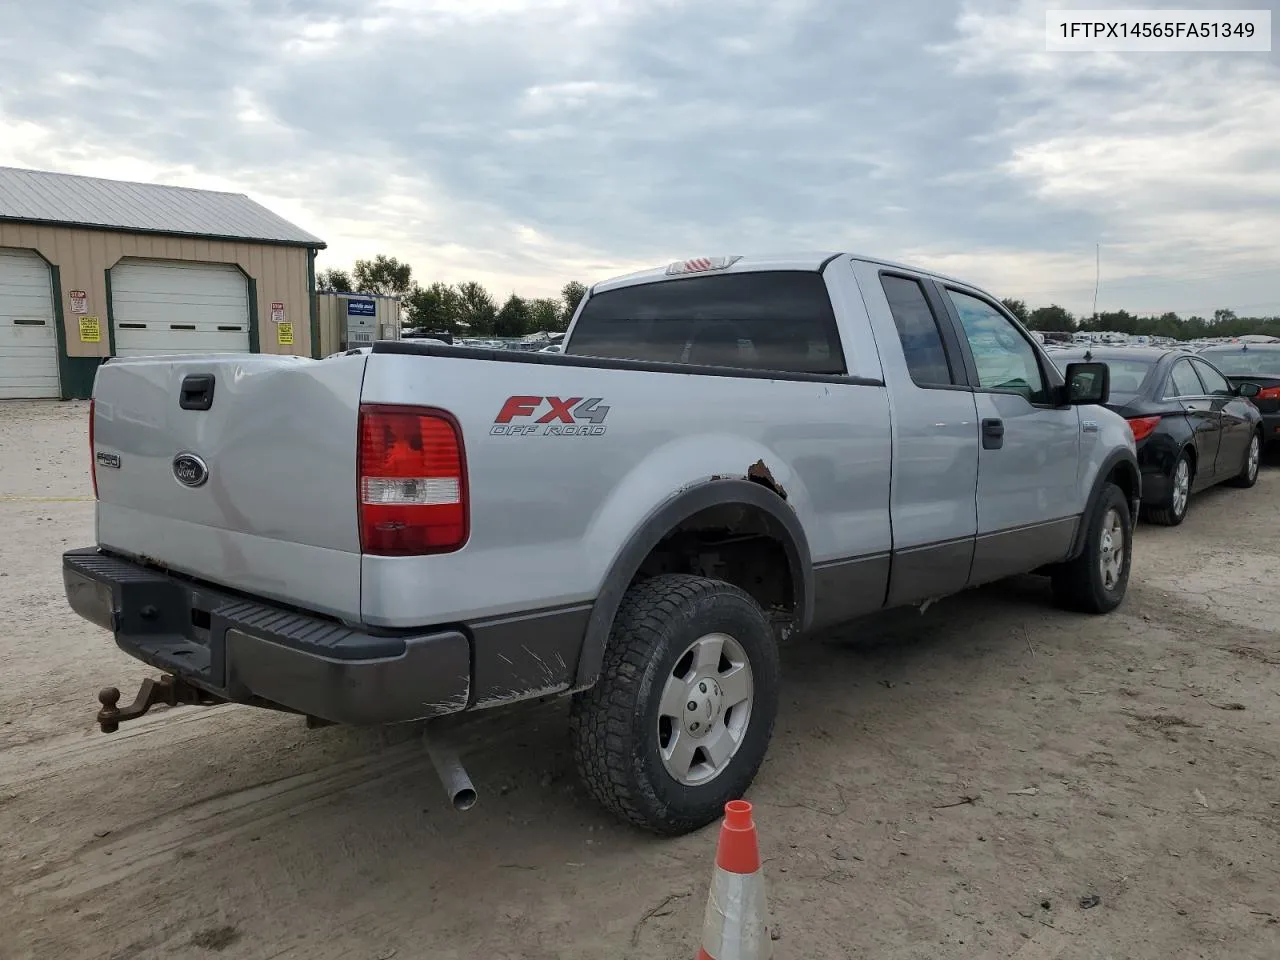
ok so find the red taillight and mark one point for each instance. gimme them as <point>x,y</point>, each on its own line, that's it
<point>1143,427</point>
<point>412,481</point>
<point>1268,393</point>
<point>93,453</point>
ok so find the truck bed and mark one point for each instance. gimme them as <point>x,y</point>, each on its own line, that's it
<point>565,456</point>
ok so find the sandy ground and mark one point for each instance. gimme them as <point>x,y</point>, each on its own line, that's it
<point>1129,758</point>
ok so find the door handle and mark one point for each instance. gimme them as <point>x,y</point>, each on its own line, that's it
<point>992,434</point>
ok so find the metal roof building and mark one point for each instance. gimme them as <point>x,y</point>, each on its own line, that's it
<point>92,268</point>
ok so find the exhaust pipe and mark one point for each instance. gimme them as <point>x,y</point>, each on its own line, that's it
<point>457,785</point>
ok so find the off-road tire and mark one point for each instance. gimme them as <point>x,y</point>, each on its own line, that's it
<point>1252,465</point>
<point>614,724</point>
<point>1078,584</point>
<point>1165,515</point>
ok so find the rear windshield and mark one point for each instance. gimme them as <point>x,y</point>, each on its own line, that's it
<point>1246,363</point>
<point>1126,375</point>
<point>774,320</point>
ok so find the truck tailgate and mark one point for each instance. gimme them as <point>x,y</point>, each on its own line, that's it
<point>257,492</point>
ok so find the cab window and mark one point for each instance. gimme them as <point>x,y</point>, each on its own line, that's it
<point>918,331</point>
<point>1005,359</point>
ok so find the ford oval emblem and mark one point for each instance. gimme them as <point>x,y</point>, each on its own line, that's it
<point>189,470</point>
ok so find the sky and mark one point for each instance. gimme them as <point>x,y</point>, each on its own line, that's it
<point>525,143</point>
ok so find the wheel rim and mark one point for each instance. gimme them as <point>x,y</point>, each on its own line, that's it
<point>1255,455</point>
<point>705,709</point>
<point>1181,486</point>
<point>1111,549</point>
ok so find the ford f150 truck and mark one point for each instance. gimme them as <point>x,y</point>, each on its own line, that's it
<point>728,452</point>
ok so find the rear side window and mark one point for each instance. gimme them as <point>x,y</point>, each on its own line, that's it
<point>918,331</point>
<point>1183,382</point>
<point>774,320</point>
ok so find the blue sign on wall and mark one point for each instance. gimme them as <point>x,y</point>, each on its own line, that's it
<point>361,308</point>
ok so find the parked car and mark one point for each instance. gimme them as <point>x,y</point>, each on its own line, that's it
<point>1259,363</point>
<point>729,452</point>
<point>1192,427</point>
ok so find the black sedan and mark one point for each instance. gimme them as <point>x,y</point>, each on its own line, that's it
<point>1253,363</point>
<point>1193,428</point>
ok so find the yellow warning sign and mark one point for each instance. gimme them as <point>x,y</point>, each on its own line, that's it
<point>284,334</point>
<point>90,330</point>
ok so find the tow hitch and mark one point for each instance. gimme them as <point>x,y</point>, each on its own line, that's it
<point>169,690</point>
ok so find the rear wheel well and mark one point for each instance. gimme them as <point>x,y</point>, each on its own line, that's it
<point>736,543</point>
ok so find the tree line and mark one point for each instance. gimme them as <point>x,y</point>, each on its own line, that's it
<point>1223,323</point>
<point>464,308</point>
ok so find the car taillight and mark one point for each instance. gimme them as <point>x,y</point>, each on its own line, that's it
<point>93,453</point>
<point>1143,427</point>
<point>1268,393</point>
<point>412,481</point>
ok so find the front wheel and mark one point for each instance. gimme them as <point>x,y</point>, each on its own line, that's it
<point>1248,474</point>
<point>1095,581</point>
<point>679,721</point>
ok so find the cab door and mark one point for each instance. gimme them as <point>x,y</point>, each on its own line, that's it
<point>1029,501</point>
<point>933,486</point>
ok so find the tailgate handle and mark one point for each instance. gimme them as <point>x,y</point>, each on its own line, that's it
<point>197,392</point>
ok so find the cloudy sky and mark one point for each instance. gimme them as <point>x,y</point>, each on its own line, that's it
<point>524,143</point>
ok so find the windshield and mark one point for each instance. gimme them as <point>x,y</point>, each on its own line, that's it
<point>1246,363</point>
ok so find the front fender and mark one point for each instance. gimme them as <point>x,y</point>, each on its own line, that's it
<point>1123,459</point>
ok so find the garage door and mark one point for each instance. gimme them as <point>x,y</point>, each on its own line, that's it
<point>170,306</point>
<point>28,337</point>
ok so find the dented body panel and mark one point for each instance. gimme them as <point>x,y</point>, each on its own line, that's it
<point>552,510</point>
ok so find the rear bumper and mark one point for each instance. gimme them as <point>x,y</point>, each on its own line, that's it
<point>1270,428</point>
<point>255,653</point>
<point>1156,487</point>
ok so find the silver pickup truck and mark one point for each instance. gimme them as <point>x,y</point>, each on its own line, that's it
<point>728,452</point>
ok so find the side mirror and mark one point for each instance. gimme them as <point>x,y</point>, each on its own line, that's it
<point>1249,390</point>
<point>1088,383</point>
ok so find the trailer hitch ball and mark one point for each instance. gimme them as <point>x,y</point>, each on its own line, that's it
<point>168,690</point>
<point>109,715</point>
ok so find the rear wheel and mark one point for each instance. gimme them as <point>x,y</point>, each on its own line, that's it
<point>1248,474</point>
<point>1095,581</point>
<point>1174,510</point>
<point>679,721</point>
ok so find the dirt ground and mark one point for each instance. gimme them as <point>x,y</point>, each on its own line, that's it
<point>953,785</point>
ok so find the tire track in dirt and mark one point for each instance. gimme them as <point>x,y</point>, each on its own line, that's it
<point>41,759</point>
<point>214,820</point>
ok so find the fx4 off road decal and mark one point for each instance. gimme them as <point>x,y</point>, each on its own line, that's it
<point>550,417</point>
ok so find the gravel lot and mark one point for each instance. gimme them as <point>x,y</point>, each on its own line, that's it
<point>1129,758</point>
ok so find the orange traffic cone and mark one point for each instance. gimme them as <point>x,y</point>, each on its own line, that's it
<point>736,925</point>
